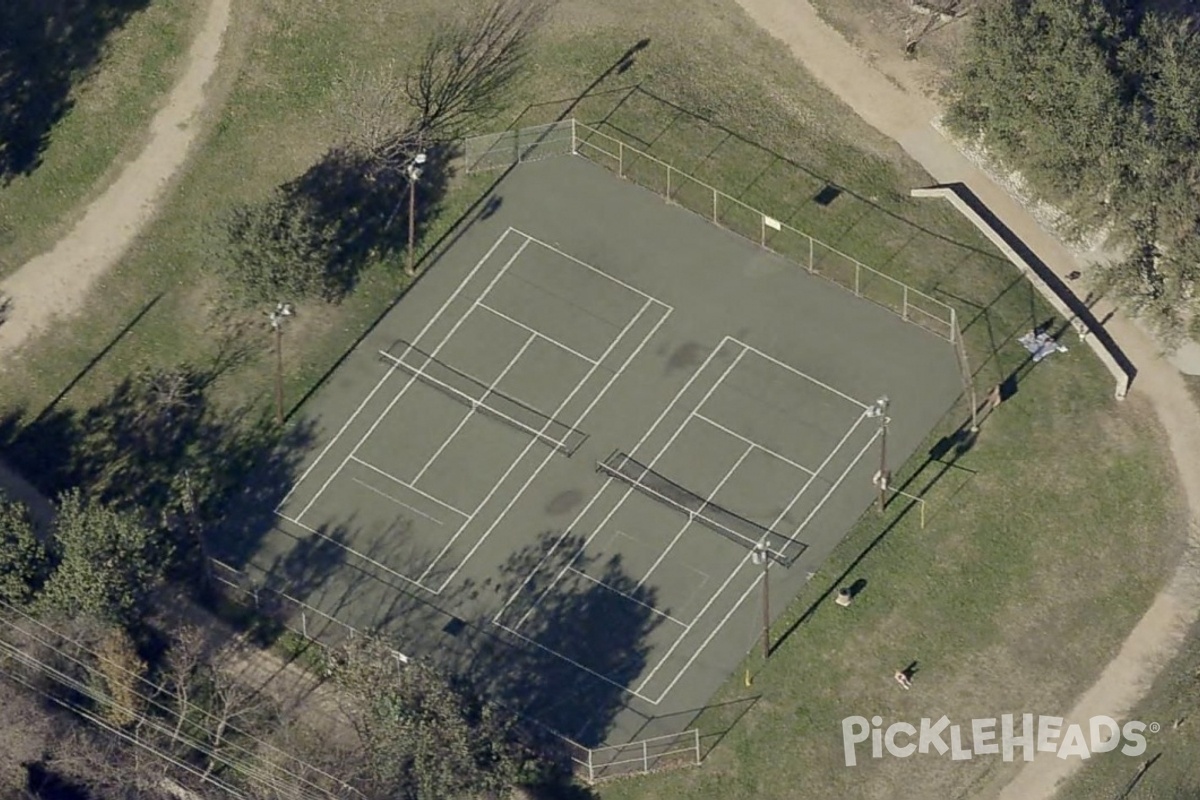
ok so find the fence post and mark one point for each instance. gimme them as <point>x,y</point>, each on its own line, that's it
<point>668,183</point>
<point>714,191</point>
<point>905,313</point>
<point>645,756</point>
<point>304,624</point>
<point>762,230</point>
<point>621,158</point>
<point>574,138</point>
<point>256,598</point>
<point>697,732</point>
<point>857,272</point>
<point>591,766</point>
<point>810,255</point>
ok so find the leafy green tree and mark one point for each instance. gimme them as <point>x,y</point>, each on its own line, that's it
<point>278,248</point>
<point>1098,105</point>
<point>423,738</point>
<point>23,561</point>
<point>108,562</point>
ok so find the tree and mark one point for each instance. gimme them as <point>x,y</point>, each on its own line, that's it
<point>1098,106</point>
<point>469,65</point>
<point>23,560</point>
<point>422,737</point>
<point>108,562</point>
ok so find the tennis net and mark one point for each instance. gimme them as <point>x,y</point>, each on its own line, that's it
<point>478,396</point>
<point>738,529</point>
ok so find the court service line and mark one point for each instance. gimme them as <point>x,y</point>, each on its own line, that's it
<point>583,415</point>
<point>537,333</point>
<point>630,489</point>
<point>720,591</point>
<point>594,269</point>
<point>437,315</point>
<point>712,634</point>
<point>608,481</point>
<point>812,478</point>
<point>838,482</point>
<point>400,503</point>
<point>628,597</point>
<point>671,545</point>
<point>408,486</point>
<point>744,594</point>
<point>352,551</point>
<point>755,444</point>
<point>805,375</point>
<point>412,379</point>
<point>624,689</point>
<point>471,413</point>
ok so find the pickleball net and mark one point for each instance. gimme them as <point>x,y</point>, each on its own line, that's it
<point>782,549</point>
<point>481,397</point>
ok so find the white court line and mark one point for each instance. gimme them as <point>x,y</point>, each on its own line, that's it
<point>466,418</point>
<point>441,310</point>
<point>628,597</point>
<point>629,490</point>
<point>418,512</point>
<point>617,374</point>
<point>745,594</point>
<point>804,375</point>
<point>712,634</point>
<point>838,482</point>
<point>812,478</point>
<point>624,689</point>
<point>582,263</point>
<point>686,525</point>
<point>537,333</point>
<point>596,496</point>
<point>755,444</point>
<point>351,550</point>
<point>411,380</point>
<point>410,487</point>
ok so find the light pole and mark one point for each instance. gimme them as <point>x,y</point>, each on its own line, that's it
<point>760,557</point>
<point>282,311</point>
<point>413,171</point>
<point>878,410</point>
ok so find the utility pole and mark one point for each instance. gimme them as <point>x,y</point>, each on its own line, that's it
<point>282,311</point>
<point>878,410</point>
<point>760,557</point>
<point>413,171</point>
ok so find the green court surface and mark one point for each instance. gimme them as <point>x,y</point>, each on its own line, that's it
<point>548,467</point>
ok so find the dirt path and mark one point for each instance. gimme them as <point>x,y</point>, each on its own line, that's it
<point>904,115</point>
<point>57,283</point>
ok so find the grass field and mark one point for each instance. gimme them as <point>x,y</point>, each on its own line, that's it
<point>1170,757</point>
<point>112,108</point>
<point>1026,576</point>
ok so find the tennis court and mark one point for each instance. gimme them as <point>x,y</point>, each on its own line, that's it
<point>552,464</point>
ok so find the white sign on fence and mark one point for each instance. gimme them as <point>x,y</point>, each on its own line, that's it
<point>772,223</point>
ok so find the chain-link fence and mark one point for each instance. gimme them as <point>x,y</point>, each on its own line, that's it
<point>502,150</point>
<point>819,258</point>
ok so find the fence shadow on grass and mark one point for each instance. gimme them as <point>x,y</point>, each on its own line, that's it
<point>46,49</point>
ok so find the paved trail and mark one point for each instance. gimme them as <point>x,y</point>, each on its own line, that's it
<point>57,283</point>
<point>904,116</point>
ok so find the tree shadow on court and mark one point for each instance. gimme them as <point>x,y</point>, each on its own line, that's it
<point>46,48</point>
<point>582,641</point>
<point>160,446</point>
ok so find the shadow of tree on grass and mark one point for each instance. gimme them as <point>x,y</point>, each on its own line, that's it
<point>46,48</point>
